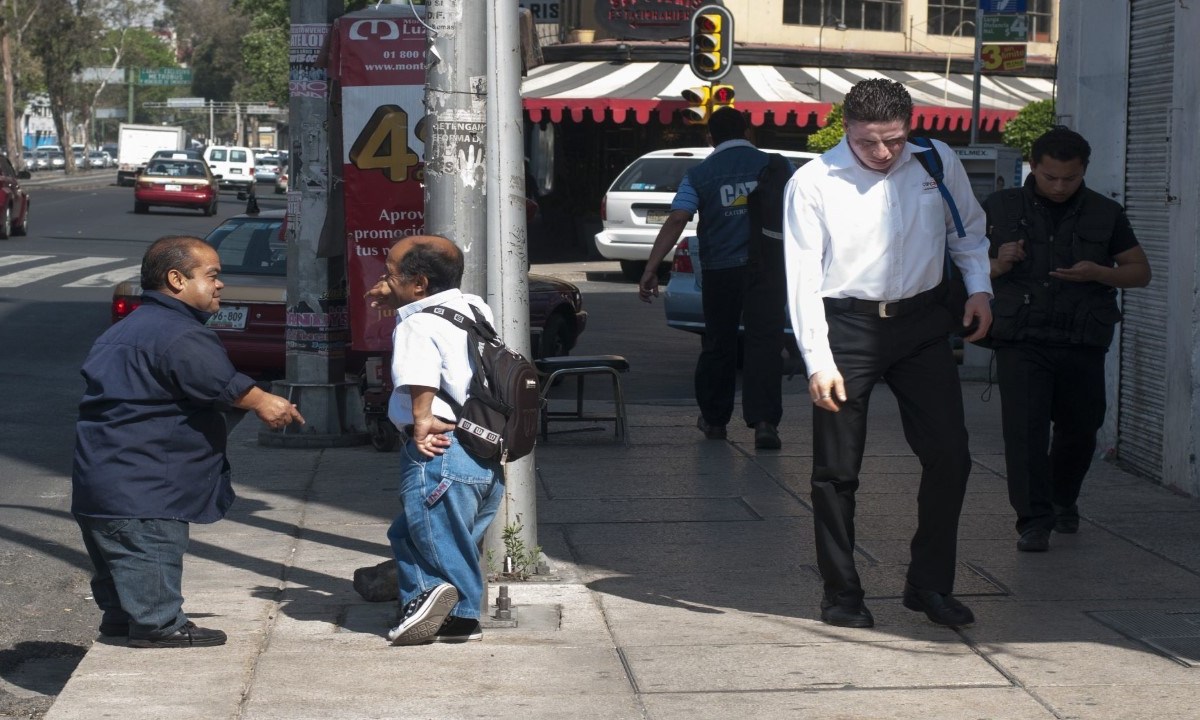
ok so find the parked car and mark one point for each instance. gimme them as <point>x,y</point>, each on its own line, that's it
<point>14,213</point>
<point>176,183</point>
<point>639,201</point>
<point>57,159</point>
<point>267,169</point>
<point>98,159</point>
<point>233,166</point>
<point>252,319</point>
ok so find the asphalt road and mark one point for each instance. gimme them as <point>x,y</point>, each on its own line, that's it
<point>55,287</point>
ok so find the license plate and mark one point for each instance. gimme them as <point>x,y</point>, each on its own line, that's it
<point>657,217</point>
<point>231,317</point>
<point>176,188</point>
<point>235,171</point>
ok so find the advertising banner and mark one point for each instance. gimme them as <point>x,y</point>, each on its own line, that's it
<point>378,62</point>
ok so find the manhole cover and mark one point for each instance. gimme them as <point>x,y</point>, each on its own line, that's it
<point>1174,633</point>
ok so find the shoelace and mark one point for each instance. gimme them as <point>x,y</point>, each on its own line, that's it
<point>415,603</point>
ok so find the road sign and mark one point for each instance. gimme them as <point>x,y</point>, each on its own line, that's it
<point>1003,6</point>
<point>110,75</point>
<point>1005,28</point>
<point>1003,58</point>
<point>262,110</point>
<point>165,76</point>
<point>186,102</point>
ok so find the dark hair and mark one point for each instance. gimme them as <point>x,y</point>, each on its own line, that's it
<point>443,270</point>
<point>726,124</point>
<point>171,252</point>
<point>877,100</point>
<point>1060,143</point>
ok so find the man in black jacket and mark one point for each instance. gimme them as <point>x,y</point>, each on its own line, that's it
<point>1059,252</point>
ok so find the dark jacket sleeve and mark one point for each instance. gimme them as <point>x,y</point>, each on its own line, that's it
<point>198,365</point>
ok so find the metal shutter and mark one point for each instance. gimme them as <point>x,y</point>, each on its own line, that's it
<point>1142,394</point>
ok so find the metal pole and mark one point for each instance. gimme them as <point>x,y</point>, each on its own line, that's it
<point>316,328</point>
<point>455,96</point>
<point>132,80</point>
<point>210,123</point>
<point>507,242</point>
<point>978,71</point>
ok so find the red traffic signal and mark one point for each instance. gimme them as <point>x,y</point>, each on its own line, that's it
<point>711,42</point>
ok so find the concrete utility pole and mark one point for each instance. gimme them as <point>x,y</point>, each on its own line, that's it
<point>317,331</point>
<point>455,99</point>
<point>508,256</point>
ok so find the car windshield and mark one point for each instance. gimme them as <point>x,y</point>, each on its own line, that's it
<point>250,246</point>
<point>175,168</point>
<point>655,174</point>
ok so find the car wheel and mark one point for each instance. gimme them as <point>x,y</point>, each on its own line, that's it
<point>23,228</point>
<point>384,436</point>
<point>632,269</point>
<point>141,208</point>
<point>556,337</point>
<point>6,223</point>
<point>211,209</point>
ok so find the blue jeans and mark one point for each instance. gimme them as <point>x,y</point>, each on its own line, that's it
<point>446,505</point>
<point>139,572</point>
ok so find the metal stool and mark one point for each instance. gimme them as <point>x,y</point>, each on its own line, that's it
<point>552,368</point>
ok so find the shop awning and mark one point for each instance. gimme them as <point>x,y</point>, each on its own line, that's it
<point>780,95</point>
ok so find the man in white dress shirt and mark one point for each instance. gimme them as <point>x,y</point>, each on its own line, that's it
<point>865,236</point>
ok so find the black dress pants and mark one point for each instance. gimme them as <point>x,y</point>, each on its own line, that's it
<point>912,355</point>
<point>755,297</point>
<point>1041,386</point>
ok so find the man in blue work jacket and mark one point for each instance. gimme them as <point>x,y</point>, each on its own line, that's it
<point>150,444</point>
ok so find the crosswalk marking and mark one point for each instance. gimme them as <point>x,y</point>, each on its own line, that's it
<point>17,259</point>
<point>107,279</point>
<point>41,272</point>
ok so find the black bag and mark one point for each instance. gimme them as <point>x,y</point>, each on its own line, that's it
<point>953,288</point>
<point>499,420</point>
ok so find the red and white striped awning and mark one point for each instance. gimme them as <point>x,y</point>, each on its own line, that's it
<point>784,95</point>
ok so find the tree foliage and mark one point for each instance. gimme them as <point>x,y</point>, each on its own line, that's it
<point>1030,123</point>
<point>60,37</point>
<point>831,134</point>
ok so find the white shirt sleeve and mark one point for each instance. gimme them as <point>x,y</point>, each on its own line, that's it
<point>970,254</point>
<point>804,239</point>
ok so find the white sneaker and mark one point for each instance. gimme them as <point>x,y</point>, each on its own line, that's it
<point>424,615</point>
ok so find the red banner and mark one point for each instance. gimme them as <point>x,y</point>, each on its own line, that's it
<point>377,57</point>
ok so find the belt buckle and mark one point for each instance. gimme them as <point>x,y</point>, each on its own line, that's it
<point>883,309</point>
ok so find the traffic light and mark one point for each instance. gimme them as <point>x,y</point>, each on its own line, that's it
<point>720,96</point>
<point>711,42</point>
<point>697,98</point>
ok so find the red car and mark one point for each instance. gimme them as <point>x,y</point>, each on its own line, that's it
<point>15,217</point>
<point>175,182</point>
<point>253,317</point>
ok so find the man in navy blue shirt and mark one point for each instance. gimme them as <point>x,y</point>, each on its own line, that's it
<point>150,444</point>
<point>732,280</point>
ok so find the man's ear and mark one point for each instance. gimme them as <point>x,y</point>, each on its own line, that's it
<point>421,286</point>
<point>175,281</point>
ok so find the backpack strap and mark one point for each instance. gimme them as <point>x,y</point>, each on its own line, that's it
<point>475,324</point>
<point>931,160</point>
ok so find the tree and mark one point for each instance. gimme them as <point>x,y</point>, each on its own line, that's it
<point>60,37</point>
<point>14,22</point>
<point>1030,123</point>
<point>123,22</point>
<point>831,134</point>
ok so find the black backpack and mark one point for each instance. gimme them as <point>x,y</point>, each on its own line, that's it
<point>499,420</point>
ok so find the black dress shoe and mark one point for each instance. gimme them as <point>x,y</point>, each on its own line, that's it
<point>187,636</point>
<point>766,437</point>
<point>1034,540</point>
<point>848,617</point>
<point>712,432</point>
<point>939,608</point>
<point>1066,524</point>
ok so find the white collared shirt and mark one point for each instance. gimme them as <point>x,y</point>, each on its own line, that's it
<point>431,351</point>
<point>853,232</point>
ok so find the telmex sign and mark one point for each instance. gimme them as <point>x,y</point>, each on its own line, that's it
<point>648,19</point>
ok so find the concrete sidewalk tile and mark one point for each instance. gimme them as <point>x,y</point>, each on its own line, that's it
<point>649,534</point>
<point>708,556</point>
<point>1116,662</point>
<point>1063,574</point>
<point>851,704</point>
<point>776,591</point>
<point>468,702</point>
<point>1103,702</point>
<point>801,666</point>
<point>713,508</point>
<point>999,623</point>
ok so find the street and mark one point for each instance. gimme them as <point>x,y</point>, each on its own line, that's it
<point>55,287</point>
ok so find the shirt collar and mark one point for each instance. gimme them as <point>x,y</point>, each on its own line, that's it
<point>732,144</point>
<point>417,306</point>
<point>179,306</point>
<point>841,157</point>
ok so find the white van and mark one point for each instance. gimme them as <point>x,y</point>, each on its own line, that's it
<point>233,165</point>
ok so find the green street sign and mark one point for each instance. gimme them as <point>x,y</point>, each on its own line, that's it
<point>1007,28</point>
<point>165,76</point>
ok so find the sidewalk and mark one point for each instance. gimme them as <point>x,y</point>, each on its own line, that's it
<point>683,585</point>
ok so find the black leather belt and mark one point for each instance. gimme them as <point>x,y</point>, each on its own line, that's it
<point>882,308</point>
